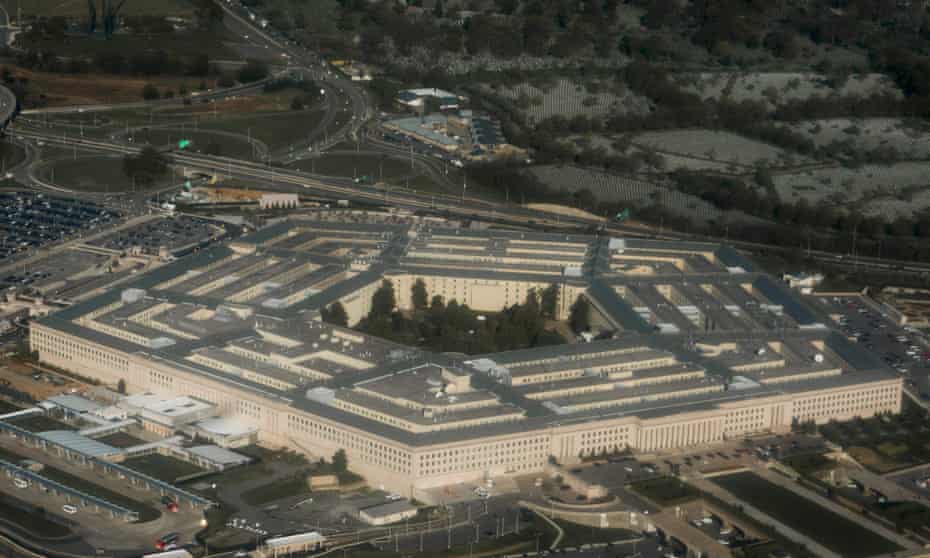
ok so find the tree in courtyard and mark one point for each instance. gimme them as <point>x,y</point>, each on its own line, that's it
<point>336,314</point>
<point>437,305</point>
<point>340,461</point>
<point>549,301</point>
<point>418,295</point>
<point>383,301</point>
<point>580,318</point>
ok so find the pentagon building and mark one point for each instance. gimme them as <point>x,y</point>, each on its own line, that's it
<point>707,348</point>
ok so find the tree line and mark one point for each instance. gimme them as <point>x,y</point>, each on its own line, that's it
<point>437,325</point>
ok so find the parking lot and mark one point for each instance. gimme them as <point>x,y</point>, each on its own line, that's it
<point>903,348</point>
<point>173,233</point>
<point>53,270</point>
<point>29,220</point>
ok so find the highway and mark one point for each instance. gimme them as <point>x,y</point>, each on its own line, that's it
<point>343,94</point>
<point>286,180</point>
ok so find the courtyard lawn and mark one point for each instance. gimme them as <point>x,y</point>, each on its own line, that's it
<point>666,491</point>
<point>121,440</point>
<point>39,423</point>
<point>296,485</point>
<point>162,467</point>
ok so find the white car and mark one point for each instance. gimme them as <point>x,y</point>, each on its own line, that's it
<point>69,509</point>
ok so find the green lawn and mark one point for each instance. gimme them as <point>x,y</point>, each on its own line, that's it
<point>180,44</point>
<point>808,464</point>
<point>277,490</point>
<point>10,155</point>
<point>162,467</point>
<point>92,174</point>
<point>202,141</point>
<point>356,165</point>
<point>666,491</point>
<point>276,130</point>
<point>576,534</point>
<point>833,531</point>
<point>121,440</point>
<point>40,423</point>
<point>883,444</point>
<point>78,8</point>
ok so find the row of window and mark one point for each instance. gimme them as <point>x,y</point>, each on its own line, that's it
<point>67,349</point>
<point>362,449</point>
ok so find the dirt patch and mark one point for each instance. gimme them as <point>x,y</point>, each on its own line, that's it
<point>563,210</point>
<point>40,385</point>
<point>83,89</point>
<point>229,194</point>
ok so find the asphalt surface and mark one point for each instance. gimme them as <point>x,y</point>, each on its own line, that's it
<point>903,348</point>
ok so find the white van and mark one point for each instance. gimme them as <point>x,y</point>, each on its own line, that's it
<point>20,483</point>
<point>69,509</point>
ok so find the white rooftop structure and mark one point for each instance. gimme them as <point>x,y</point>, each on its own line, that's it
<point>73,403</point>
<point>225,426</point>
<point>219,456</point>
<point>74,442</point>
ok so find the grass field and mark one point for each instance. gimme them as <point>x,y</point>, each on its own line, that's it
<point>78,8</point>
<point>121,440</point>
<point>78,89</point>
<point>211,43</point>
<point>576,534</point>
<point>356,165</point>
<point>40,423</point>
<point>883,445</point>
<point>203,142</point>
<point>284,488</point>
<point>829,529</point>
<point>277,130</point>
<point>92,174</point>
<point>666,491</point>
<point>10,155</point>
<point>162,467</point>
<point>29,519</point>
<point>808,464</point>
